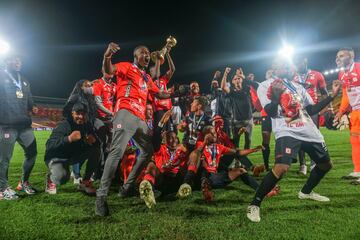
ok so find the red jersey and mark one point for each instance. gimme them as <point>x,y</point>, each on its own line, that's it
<point>162,104</point>
<point>133,86</point>
<point>106,91</point>
<point>212,154</point>
<point>175,159</point>
<point>312,81</point>
<point>351,86</point>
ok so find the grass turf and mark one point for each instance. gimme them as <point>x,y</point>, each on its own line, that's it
<point>70,214</point>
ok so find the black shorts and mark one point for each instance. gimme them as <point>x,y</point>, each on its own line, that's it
<point>266,124</point>
<point>287,148</point>
<point>220,179</point>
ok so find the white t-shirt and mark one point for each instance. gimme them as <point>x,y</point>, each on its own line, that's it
<point>302,128</point>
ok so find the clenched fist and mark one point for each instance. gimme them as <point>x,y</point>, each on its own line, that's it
<point>74,136</point>
<point>111,49</point>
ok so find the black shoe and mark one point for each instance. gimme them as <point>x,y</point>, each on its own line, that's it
<point>101,206</point>
<point>127,192</point>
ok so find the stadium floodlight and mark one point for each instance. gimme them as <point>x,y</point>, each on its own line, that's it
<point>287,51</point>
<point>326,72</point>
<point>342,69</point>
<point>4,47</point>
<point>332,71</point>
<point>337,70</point>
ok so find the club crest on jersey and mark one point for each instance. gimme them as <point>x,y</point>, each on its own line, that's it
<point>6,135</point>
<point>288,150</point>
<point>118,126</point>
<point>143,86</point>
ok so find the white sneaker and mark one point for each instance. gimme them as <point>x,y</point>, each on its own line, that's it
<point>77,181</point>
<point>303,170</point>
<point>313,196</point>
<point>352,175</point>
<point>184,191</point>
<point>253,213</point>
<point>147,193</point>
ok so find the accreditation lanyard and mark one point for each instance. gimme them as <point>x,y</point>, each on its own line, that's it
<point>213,151</point>
<point>16,82</point>
<point>195,124</point>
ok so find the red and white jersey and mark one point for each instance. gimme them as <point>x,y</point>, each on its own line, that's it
<point>133,86</point>
<point>106,91</point>
<point>351,83</point>
<point>173,159</point>
<point>162,104</point>
<point>212,154</point>
<point>312,81</point>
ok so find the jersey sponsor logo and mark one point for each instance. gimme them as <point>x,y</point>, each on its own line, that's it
<point>288,150</point>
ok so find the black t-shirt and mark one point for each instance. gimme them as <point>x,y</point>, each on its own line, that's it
<point>241,103</point>
<point>195,125</point>
<point>223,103</point>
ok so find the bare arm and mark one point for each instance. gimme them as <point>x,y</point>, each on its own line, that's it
<point>171,70</point>
<point>224,86</point>
<point>108,67</point>
<point>100,106</point>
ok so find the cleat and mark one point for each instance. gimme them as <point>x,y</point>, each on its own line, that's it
<point>275,191</point>
<point>184,191</point>
<point>50,187</point>
<point>8,194</point>
<point>356,182</point>
<point>147,194</point>
<point>77,181</point>
<point>25,187</point>
<point>303,170</point>
<point>86,187</point>
<point>253,213</point>
<point>208,194</point>
<point>313,196</point>
<point>352,176</point>
<point>101,206</point>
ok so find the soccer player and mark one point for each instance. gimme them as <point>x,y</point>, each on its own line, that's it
<point>350,102</point>
<point>314,83</point>
<point>16,106</point>
<point>166,172</point>
<point>212,151</point>
<point>72,141</point>
<point>133,86</point>
<point>290,107</point>
<point>194,123</point>
<point>161,106</point>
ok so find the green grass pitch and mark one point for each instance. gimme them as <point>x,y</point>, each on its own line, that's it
<point>70,214</point>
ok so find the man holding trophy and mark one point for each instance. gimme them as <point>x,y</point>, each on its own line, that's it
<point>133,86</point>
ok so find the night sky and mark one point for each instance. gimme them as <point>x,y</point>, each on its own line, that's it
<point>63,41</point>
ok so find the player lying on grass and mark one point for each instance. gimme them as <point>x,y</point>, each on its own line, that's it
<point>209,153</point>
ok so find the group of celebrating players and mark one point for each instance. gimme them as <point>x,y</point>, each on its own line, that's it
<point>125,125</point>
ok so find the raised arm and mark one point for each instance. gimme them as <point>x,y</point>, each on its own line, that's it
<point>108,67</point>
<point>171,70</point>
<point>224,85</point>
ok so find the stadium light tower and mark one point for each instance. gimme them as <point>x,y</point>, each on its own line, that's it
<point>4,47</point>
<point>287,51</point>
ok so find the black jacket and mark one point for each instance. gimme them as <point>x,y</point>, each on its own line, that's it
<point>14,111</point>
<point>58,145</point>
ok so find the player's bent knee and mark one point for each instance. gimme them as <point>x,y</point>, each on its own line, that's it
<point>326,166</point>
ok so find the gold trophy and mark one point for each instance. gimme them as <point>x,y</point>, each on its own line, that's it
<point>170,43</point>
